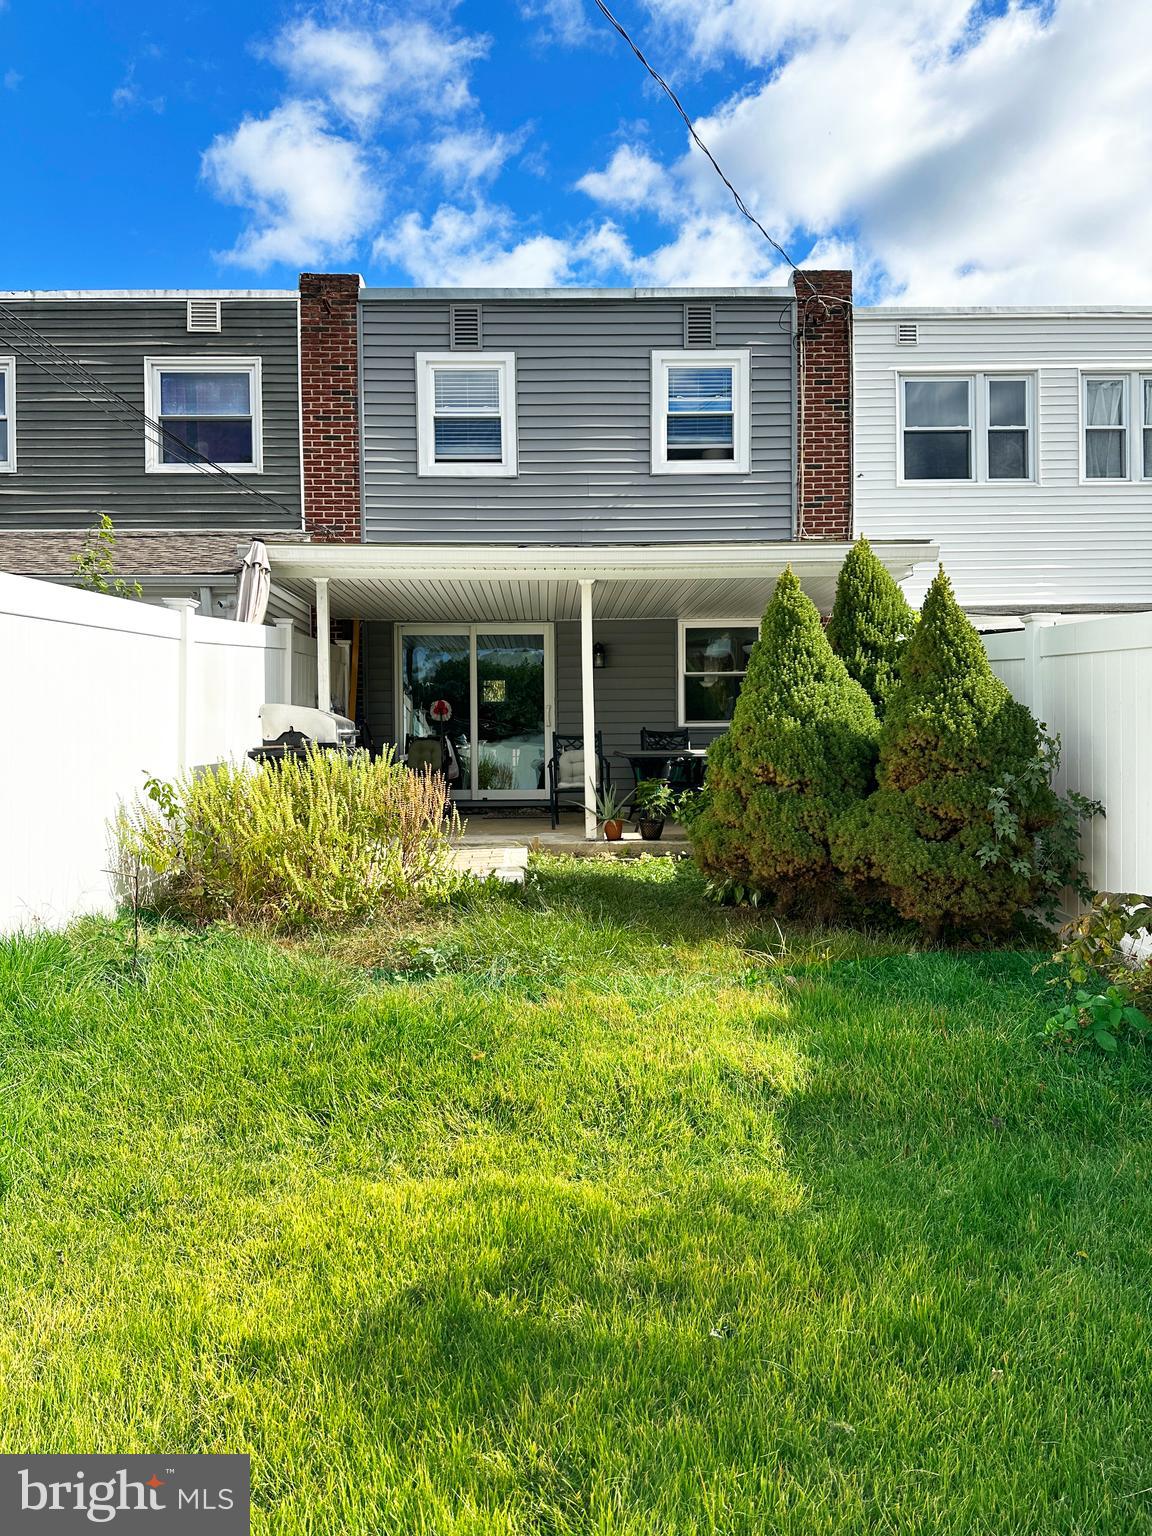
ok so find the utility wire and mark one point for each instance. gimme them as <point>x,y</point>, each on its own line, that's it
<point>45,354</point>
<point>707,153</point>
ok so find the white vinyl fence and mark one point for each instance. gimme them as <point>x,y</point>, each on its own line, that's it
<point>1090,682</point>
<point>96,694</point>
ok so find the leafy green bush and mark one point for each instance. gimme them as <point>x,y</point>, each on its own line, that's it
<point>325,839</point>
<point>799,752</point>
<point>870,624</point>
<point>1109,945</point>
<point>928,839</point>
<point>1103,1019</point>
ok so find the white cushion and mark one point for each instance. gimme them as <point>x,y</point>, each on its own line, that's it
<point>570,771</point>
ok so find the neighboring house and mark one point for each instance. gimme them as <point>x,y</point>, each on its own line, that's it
<point>563,511</point>
<point>109,401</point>
<point>1020,442</point>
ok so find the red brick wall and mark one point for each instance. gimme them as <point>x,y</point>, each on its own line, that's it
<point>330,406</point>
<point>824,420</point>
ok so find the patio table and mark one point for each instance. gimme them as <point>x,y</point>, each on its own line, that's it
<point>653,764</point>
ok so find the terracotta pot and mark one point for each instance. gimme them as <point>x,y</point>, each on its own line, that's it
<point>613,831</point>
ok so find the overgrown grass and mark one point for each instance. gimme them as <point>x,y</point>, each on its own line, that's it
<point>590,1209</point>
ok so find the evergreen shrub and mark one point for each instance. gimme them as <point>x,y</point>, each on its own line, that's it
<point>800,750</point>
<point>870,624</point>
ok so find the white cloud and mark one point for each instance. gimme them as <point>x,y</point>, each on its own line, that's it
<point>967,158</point>
<point>307,191</point>
<point>12,77</point>
<point>468,156</point>
<point>632,179</point>
<point>564,21</point>
<point>364,71</point>
<point>481,247</point>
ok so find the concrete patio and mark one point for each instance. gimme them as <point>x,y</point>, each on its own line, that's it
<point>500,845</point>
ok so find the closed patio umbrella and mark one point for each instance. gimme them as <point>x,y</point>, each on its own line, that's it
<point>255,584</point>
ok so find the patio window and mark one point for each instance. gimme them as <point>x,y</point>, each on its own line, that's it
<point>465,406</point>
<point>713,661</point>
<point>207,411</point>
<point>7,413</point>
<point>700,412</point>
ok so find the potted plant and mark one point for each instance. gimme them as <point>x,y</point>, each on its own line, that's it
<point>654,803</point>
<point>610,811</point>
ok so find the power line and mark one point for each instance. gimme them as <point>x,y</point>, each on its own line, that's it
<point>44,353</point>
<point>711,158</point>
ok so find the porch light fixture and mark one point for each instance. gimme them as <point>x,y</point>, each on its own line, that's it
<point>599,654</point>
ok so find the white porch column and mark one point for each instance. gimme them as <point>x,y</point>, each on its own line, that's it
<point>588,701</point>
<point>323,642</point>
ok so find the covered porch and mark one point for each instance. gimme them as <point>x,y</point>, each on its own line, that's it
<point>512,651</point>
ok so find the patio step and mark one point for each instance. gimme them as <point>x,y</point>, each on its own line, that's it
<point>507,862</point>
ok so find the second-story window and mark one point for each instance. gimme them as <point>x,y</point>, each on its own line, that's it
<point>207,410</point>
<point>1106,428</point>
<point>976,427</point>
<point>466,417</point>
<point>7,412</point>
<point>700,412</point>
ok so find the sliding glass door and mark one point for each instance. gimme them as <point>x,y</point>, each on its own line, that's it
<point>487,691</point>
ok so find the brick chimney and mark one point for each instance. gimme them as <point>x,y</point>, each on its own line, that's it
<point>824,399</point>
<point>329,383</point>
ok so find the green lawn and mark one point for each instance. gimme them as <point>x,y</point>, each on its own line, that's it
<point>604,1217</point>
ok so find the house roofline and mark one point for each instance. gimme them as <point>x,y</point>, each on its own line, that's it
<point>578,294</point>
<point>149,293</point>
<point>998,311</point>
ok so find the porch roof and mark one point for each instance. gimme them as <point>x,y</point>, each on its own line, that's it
<point>536,583</point>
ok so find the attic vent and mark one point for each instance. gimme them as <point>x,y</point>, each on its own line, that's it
<point>699,325</point>
<point>907,333</point>
<point>465,325</point>
<point>203,314</point>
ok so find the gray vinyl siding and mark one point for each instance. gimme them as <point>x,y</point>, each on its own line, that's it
<point>583,418</point>
<point>75,460</point>
<point>638,687</point>
<point>379,681</point>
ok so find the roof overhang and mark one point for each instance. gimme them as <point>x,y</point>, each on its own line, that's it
<point>421,583</point>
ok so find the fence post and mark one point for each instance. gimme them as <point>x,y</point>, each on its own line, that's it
<point>185,607</point>
<point>1034,626</point>
<point>285,629</point>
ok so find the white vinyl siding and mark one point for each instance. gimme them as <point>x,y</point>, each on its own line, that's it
<point>7,414</point>
<point>466,413</point>
<point>700,422</point>
<point>207,409</point>
<point>1055,540</point>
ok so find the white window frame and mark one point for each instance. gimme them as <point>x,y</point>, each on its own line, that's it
<point>682,628</point>
<point>739,360</point>
<point>979,428</point>
<point>8,369</point>
<point>1133,427</point>
<point>155,366</point>
<point>427,363</point>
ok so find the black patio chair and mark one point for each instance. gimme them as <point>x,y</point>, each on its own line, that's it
<point>679,772</point>
<point>566,772</point>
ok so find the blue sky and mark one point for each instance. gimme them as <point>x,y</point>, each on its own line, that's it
<point>948,152</point>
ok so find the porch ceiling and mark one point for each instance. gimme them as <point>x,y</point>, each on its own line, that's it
<point>486,584</point>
